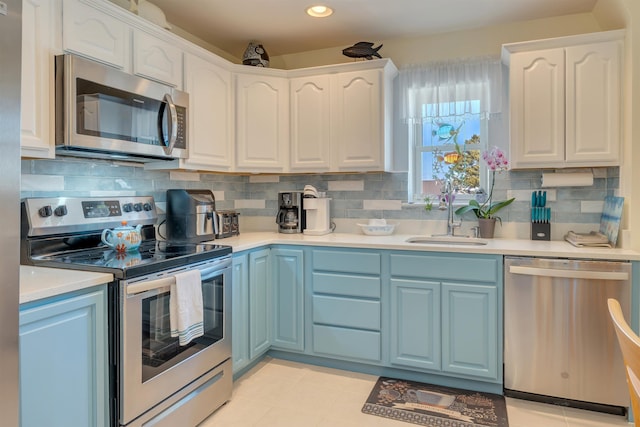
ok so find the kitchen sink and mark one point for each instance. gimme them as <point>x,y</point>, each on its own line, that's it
<point>447,240</point>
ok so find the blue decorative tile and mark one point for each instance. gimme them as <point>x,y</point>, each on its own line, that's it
<point>83,176</point>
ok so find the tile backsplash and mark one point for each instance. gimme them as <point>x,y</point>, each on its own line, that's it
<point>354,196</point>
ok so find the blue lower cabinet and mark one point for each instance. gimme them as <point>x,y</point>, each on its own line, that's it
<point>260,302</point>
<point>251,307</point>
<point>446,314</point>
<point>346,343</point>
<point>240,312</point>
<point>64,361</point>
<point>288,298</point>
<point>346,308</point>
<point>415,323</point>
<point>433,313</point>
<point>470,330</point>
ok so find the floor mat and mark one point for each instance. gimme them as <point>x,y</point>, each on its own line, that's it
<point>432,405</point>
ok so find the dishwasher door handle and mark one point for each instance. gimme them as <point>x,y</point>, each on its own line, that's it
<point>569,274</point>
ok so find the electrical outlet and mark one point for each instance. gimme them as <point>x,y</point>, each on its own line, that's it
<point>3,8</point>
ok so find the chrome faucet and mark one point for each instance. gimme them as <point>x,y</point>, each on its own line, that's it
<point>451,224</point>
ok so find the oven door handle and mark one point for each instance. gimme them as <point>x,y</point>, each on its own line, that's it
<point>136,288</point>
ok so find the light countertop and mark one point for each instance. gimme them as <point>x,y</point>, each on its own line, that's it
<point>39,282</point>
<point>517,247</point>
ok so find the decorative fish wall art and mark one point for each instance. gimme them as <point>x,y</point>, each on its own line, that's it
<point>362,50</point>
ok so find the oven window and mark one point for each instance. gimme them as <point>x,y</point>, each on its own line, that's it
<point>161,351</point>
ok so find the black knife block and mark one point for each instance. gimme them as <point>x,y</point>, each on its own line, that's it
<point>540,231</point>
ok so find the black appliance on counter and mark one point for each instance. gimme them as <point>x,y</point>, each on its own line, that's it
<point>291,217</point>
<point>153,380</point>
<point>191,216</point>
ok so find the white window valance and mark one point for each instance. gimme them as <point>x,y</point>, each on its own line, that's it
<point>449,89</point>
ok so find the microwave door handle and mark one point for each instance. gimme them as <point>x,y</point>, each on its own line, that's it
<point>172,125</point>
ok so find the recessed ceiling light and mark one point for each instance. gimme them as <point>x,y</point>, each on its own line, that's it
<point>319,11</point>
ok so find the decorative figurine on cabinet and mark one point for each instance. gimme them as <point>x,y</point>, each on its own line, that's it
<point>362,50</point>
<point>255,55</point>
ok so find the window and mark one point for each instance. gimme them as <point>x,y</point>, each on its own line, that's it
<point>448,149</point>
<point>447,107</point>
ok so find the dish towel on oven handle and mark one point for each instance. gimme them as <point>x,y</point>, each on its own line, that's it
<point>185,307</point>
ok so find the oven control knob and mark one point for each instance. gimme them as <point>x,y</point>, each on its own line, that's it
<point>45,211</point>
<point>61,210</point>
<point>137,207</point>
<point>127,207</point>
<point>147,206</point>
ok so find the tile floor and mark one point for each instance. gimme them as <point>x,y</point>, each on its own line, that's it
<point>279,393</point>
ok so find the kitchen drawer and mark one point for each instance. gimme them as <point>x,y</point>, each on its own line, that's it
<point>352,313</point>
<point>465,268</point>
<point>347,262</point>
<point>350,343</point>
<point>346,285</point>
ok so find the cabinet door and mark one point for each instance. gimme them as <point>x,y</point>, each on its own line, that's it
<point>470,330</point>
<point>415,323</point>
<point>593,104</point>
<point>359,137</point>
<point>260,302</point>
<point>288,288</point>
<point>63,363</point>
<point>210,114</point>
<point>240,312</point>
<point>37,79</point>
<point>310,124</point>
<point>262,123</point>
<point>157,59</point>
<point>94,34</point>
<point>537,98</point>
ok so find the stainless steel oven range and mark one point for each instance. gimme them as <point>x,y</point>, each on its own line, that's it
<point>154,381</point>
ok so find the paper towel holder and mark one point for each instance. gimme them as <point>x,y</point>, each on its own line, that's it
<point>567,179</point>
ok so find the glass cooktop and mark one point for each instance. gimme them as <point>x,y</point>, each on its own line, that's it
<point>151,256</point>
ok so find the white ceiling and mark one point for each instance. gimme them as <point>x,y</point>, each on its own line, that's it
<point>283,27</point>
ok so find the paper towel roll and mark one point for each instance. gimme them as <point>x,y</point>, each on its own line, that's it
<point>580,179</point>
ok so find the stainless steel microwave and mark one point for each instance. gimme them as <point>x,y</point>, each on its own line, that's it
<point>102,112</point>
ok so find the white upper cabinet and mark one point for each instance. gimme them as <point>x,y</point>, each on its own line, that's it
<point>565,101</point>
<point>95,34</point>
<point>341,117</point>
<point>36,109</point>
<point>359,121</point>
<point>593,94</point>
<point>334,118</point>
<point>262,122</point>
<point>157,59</point>
<point>310,124</point>
<point>537,107</point>
<point>210,126</point>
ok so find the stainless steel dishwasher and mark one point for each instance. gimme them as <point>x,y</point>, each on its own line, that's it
<point>560,345</point>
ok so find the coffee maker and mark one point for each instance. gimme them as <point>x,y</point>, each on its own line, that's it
<point>317,216</point>
<point>291,215</point>
<point>191,216</point>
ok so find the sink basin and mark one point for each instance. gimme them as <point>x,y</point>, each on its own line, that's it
<point>447,240</point>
